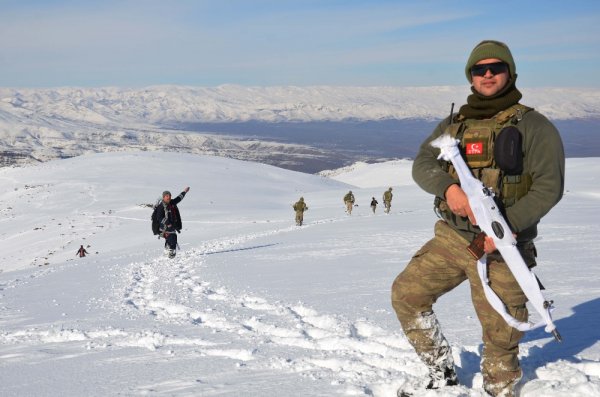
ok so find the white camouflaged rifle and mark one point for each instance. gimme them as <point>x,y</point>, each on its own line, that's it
<point>491,221</point>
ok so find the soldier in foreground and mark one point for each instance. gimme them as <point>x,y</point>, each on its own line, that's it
<point>517,152</point>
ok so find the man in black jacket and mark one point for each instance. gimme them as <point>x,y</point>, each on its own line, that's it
<point>81,252</point>
<point>170,220</point>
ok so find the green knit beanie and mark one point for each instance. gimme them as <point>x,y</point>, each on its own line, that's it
<point>490,49</point>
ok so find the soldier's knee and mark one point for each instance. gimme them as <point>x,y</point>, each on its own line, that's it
<point>397,286</point>
<point>501,339</point>
<point>399,301</point>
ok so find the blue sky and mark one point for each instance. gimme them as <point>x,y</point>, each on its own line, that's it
<point>136,43</point>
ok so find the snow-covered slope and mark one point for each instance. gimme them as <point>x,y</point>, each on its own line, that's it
<point>253,305</point>
<point>396,172</point>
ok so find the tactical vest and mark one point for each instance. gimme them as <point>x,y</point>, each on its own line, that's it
<point>477,141</point>
<point>299,206</point>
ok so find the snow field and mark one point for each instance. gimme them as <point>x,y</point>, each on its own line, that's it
<point>252,304</point>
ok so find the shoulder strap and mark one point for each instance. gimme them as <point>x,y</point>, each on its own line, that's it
<point>515,113</point>
<point>455,128</point>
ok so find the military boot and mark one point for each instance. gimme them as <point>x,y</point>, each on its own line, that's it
<point>425,334</point>
<point>505,390</point>
<point>440,377</point>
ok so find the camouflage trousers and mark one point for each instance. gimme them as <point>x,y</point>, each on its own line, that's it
<point>299,218</point>
<point>349,205</point>
<point>439,266</point>
<point>388,206</point>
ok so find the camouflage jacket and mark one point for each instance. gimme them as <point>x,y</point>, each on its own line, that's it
<point>300,206</point>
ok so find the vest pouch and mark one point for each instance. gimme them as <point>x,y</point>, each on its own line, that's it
<point>490,177</point>
<point>453,129</point>
<point>514,187</point>
<point>508,151</point>
<point>477,142</point>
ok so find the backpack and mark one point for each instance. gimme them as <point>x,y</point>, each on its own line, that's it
<point>155,220</point>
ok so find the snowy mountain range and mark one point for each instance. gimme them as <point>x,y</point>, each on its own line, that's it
<point>42,124</point>
<point>253,305</point>
<point>162,105</point>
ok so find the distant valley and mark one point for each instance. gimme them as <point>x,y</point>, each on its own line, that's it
<point>374,141</point>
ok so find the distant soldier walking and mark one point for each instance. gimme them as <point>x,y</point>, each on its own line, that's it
<point>166,219</point>
<point>387,200</point>
<point>300,206</point>
<point>349,202</point>
<point>81,252</point>
<point>374,204</point>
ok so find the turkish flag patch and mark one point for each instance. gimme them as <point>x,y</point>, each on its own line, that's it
<point>474,148</point>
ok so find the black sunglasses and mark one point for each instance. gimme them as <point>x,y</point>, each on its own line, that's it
<point>494,68</point>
